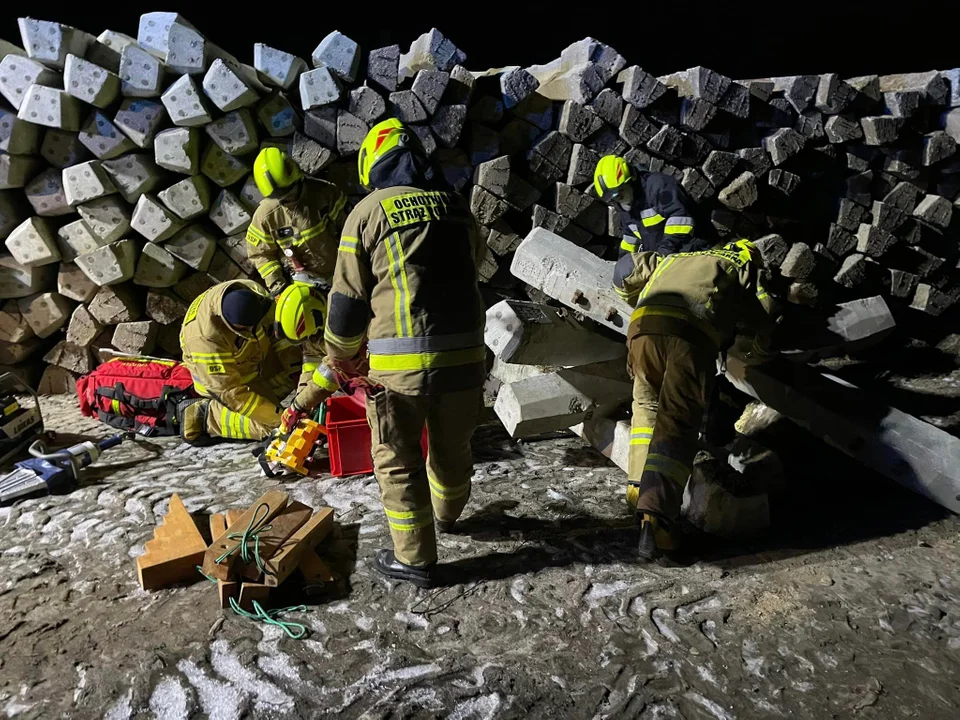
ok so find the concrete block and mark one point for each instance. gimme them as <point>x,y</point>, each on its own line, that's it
<point>276,67</point>
<point>515,85</point>
<point>57,381</point>
<point>580,83</point>
<point>141,74</point>
<point>103,139</point>
<point>886,216</point>
<point>447,124</point>
<point>487,267</point>
<point>460,87</point>
<point>937,146</point>
<point>111,264</point>
<point>235,246</point>
<point>549,220</point>
<point>667,142</point>
<point>535,334</point>
<point>50,43</point>
<point>108,218</point>
<point>83,328</point>
<point>810,124</point>
<point>134,175</point>
<point>486,109</point>
<point>718,166</point>
<point>185,104</point>
<point>367,104</point>
<point>189,198</point>
<point>153,32</point>
<point>351,131</point>
<point>696,185</point>
<point>584,210</point>
<point>46,196</point>
<point>193,245</point>
<point>250,194</point>
<point>902,165</point>
<point>517,136</point>
<point>923,263</point>
<point>19,74</point>
<point>116,304</point>
<point>430,50</point>
<point>309,155</point>
<point>610,106</point>
<point>852,272</point>
<point>74,239</point>
<point>8,48</point>
<point>33,243</point>
<point>85,182</point>
<point>930,87</point>
<point>456,167</point>
<point>881,129</point>
<point>139,119</point>
<point>16,353</point>
<point>583,162</point>
<point>157,268</point>
<point>192,285</point>
<point>578,122</point>
<point>500,238</point>
<point>383,67</point>
<point>904,196</point>
<point>741,193</point>
<point>607,142</point>
<point>833,94</point>
<point>773,248</point>
<point>318,88</point>
<point>406,106</point>
<point>934,210</point>
<point>90,83</point>
<point>73,284</point>
<point>696,114</point>
<point>70,357</point>
<point>321,126</point>
<point>785,182</point>
<point>178,150</point>
<point>851,214</point>
<point>640,88</point>
<point>14,327</point>
<point>842,129</point>
<point>555,401</point>
<point>874,241</point>
<point>188,52</point>
<point>429,86</point>
<point>153,221</point>
<point>18,137</point>
<point>277,116</point>
<point>165,307</point>
<point>338,53</point>
<point>783,144</point>
<point>223,169</point>
<point>51,107</point>
<point>105,52</point>
<point>930,300</point>
<point>549,157</point>
<point>229,214</point>
<point>45,312</point>
<point>227,88</point>
<point>486,207</point>
<point>136,338</point>
<point>497,176</point>
<point>13,211</point>
<point>756,160</point>
<point>17,281</point>
<point>799,262</point>
<point>223,269</point>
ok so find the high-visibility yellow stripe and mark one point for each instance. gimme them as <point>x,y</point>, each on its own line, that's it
<point>409,520</point>
<point>255,236</point>
<point>652,220</point>
<point>309,366</point>
<point>426,361</point>
<point>225,423</point>
<point>218,357</point>
<point>321,379</point>
<point>664,264</point>
<point>676,471</point>
<point>447,492</point>
<point>624,245</point>
<point>396,288</point>
<point>663,311</point>
<point>640,441</point>
<point>677,229</point>
<point>348,244</point>
<point>269,267</point>
<point>115,406</point>
<point>406,286</point>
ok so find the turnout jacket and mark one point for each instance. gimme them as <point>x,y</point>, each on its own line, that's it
<point>700,297</point>
<point>660,218</point>
<point>406,280</point>
<point>305,222</point>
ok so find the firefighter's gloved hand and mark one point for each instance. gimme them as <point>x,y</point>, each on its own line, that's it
<point>291,416</point>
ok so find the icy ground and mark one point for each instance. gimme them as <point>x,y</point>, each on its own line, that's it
<point>850,607</point>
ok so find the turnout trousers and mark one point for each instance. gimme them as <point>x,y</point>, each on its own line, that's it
<point>671,378</point>
<point>414,491</point>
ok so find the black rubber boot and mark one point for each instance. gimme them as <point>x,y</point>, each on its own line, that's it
<point>445,526</point>
<point>387,564</point>
<point>647,549</point>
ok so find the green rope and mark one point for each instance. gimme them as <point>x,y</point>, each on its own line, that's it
<point>251,533</point>
<point>292,629</point>
<point>200,570</point>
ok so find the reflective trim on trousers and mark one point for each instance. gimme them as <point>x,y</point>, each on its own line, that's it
<point>676,471</point>
<point>448,492</point>
<point>409,520</point>
<point>641,435</point>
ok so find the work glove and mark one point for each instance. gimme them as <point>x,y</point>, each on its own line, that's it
<point>291,416</point>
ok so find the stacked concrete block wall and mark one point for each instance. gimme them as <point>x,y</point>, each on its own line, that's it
<point>125,163</point>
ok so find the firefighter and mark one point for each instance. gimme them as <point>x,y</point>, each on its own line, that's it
<point>295,230</point>
<point>655,212</point>
<point>688,306</point>
<point>246,352</point>
<point>406,282</point>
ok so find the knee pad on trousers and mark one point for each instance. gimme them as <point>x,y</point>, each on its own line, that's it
<point>193,421</point>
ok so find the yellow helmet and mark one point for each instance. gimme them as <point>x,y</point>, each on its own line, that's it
<point>273,170</point>
<point>384,138</point>
<point>300,311</point>
<point>611,174</point>
<point>747,251</point>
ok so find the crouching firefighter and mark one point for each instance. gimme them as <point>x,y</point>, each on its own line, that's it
<point>688,307</point>
<point>406,281</point>
<point>235,343</point>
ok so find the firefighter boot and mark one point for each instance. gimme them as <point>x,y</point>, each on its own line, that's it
<point>656,541</point>
<point>387,564</point>
<point>445,526</point>
<point>192,418</point>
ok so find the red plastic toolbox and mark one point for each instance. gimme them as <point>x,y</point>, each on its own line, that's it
<point>348,436</point>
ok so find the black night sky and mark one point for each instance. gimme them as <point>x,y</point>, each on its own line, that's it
<point>740,39</point>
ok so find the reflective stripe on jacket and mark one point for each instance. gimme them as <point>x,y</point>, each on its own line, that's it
<point>661,219</point>
<point>406,280</point>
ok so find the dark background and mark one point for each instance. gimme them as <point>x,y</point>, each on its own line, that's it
<point>740,39</point>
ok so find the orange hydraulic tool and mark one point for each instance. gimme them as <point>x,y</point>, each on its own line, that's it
<point>292,451</point>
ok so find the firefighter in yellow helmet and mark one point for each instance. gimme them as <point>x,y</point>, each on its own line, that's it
<point>246,352</point>
<point>688,309</point>
<point>406,282</point>
<point>656,214</point>
<point>294,231</point>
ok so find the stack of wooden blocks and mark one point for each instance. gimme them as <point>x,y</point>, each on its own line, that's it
<point>288,544</point>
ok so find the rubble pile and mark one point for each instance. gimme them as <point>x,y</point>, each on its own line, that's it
<point>125,185</point>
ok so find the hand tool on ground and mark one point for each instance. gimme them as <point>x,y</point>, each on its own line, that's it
<point>20,425</point>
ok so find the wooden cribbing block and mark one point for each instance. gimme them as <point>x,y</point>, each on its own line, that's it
<point>233,514</point>
<point>283,525</point>
<point>175,550</point>
<point>250,592</point>
<point>287,558</point>
<point>225,589</point>
<point>314,569</point>
<point>275,500</point>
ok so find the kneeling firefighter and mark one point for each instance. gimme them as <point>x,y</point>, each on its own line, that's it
<point>246,352</point>
<point>406,281</point>
<point>688,307</point>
